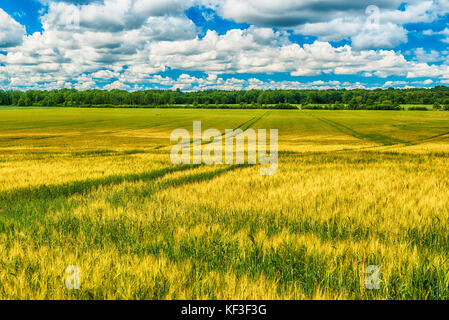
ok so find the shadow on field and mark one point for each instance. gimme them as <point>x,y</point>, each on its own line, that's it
<point>376,138</point>
<point>123,197</point>
<point>48,192</point>
<point>199,177</point>
<point>243,126</point>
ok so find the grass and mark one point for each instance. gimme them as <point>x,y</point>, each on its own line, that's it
<point>95,188</point>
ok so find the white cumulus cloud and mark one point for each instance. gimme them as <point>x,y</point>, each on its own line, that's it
<point>11,32</point>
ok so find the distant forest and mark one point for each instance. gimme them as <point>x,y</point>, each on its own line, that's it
<point>388,99</point>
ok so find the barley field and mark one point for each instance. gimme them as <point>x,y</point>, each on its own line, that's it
<point>95,188</point>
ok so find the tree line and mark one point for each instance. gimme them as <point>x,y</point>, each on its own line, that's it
<point>283,99</point>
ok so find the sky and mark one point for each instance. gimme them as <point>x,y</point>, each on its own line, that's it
<point>223,44</point>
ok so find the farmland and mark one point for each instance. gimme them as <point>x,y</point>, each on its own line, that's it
<point>95,188</point>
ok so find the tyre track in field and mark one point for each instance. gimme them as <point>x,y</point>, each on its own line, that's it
<point>13,200</point>
<point>416,142</point>
<point>243,126</point>
<point>376,138</point>
<point>67,189</point>
<point>384,143</point>
<point>423,140</point>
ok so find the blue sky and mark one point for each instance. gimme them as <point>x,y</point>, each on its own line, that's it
<point>223,44</point>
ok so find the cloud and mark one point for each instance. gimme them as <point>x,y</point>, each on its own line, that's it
<point>124,43</point>
<point>421,55</point>
<point>117,85</point>
<point>240,51</point>
<point>191,83</point>
<point>423,70</point>
<point>444,33</point>
<point>83,50</point>
<point>338,19</point>
<point>362,34</point>
<point>415,12</point>
<point>105,75</point>
<point>110,15</point>
<point>383,36</point>
<point>11,32</point>
<point>290,13</point>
